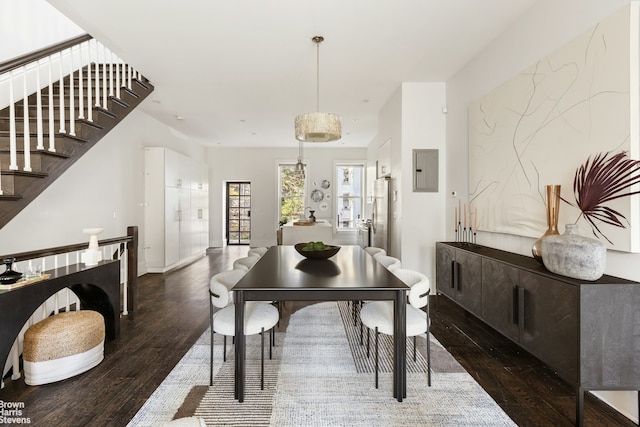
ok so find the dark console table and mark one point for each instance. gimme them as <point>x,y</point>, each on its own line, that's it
<point>97,287</point>
<point>588,332</point>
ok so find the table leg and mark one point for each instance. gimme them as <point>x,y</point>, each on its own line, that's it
<point>399,346</point>
<point>579,406</point>
<point>239,346</point>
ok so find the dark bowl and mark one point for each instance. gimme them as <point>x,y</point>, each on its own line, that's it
<point>323,254</point>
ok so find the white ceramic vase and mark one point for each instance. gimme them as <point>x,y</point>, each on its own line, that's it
<point>573,255</point>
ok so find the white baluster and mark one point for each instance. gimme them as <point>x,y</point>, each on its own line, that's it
<point>25,115</point>
<point>15,360</point>
<point>56,303</point>
<point>72,98</point>
<point>39,131</point>
<point>104,77</point>
<point>52,124</point>
<point>97,75</point>
<point>130,75</point>
<point>68,303</point>
<point>89,82</point>
<point>61,98</point>
<point>13,145</point>
<point>110,73</point>
<point>125,285</point>
<point>118,79</point>
<point>80,85</point>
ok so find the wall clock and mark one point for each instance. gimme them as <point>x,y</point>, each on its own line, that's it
<point>317,195</point>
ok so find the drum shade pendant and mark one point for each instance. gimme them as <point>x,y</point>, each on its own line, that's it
<point>318,127</point>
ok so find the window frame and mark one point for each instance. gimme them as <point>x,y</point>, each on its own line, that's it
<point>362,164</point>
<point>279,165</point>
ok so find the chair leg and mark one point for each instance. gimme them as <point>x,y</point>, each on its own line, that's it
<point>368,342</point>
<point>429,345</point>
<point>272,338</point>
<point>262,359</point>
<point>361,339</point>
<point>224,348</point>
<point>414,348</point>
<point>376,357</point>
<point>211,360</point>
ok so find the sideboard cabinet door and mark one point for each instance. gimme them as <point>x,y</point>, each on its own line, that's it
<point>445,259</point>
<point>469,286</point>
<point>550,329</point>
<point>500,289</point>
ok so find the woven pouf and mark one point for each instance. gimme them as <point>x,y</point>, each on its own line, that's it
<point>62,346</point>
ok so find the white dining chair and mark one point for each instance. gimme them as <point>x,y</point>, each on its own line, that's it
<point>378,315</point>
<point>245,263</point>
<point>257,251</point>
<point>258,317</point>
<point>373,251</point>
<point>391,263</point>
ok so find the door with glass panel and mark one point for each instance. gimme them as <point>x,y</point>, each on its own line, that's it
<point>238,213</point>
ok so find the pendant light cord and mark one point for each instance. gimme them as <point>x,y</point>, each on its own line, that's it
<point>317,40</point>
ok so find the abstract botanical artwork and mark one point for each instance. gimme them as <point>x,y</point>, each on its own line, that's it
<point>539,127</point>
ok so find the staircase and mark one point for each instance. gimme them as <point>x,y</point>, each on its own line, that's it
<point>19,185</point>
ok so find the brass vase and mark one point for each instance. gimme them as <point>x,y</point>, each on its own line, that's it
<point>553,209</point>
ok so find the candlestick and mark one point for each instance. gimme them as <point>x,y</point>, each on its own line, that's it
<point>465,215</point>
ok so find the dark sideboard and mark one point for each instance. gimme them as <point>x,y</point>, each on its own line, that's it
<point>588,332</point>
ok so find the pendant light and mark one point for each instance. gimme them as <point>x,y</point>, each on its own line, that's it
<point>318,127</point>
<point>299,165</point>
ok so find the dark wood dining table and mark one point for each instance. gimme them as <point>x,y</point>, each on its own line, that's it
<point>282,274</point>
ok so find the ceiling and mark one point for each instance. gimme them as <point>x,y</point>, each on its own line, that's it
<point>235,73</point>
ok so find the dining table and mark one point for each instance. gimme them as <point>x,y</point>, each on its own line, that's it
<point>283,274</point>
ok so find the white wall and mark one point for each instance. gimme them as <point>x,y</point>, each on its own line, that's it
<point>548,25</point>
<point>260,167</point>
<point>19,18</point>
<point>413,119</point>
<point>422,214</point>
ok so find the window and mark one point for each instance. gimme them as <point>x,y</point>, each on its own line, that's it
<point>349,189</point>
<point>291,186</point>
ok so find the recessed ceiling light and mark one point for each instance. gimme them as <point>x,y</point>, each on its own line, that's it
<point>179,117</point>
<point>365,100</point>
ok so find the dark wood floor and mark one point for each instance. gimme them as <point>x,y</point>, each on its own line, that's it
<point>173,313</point>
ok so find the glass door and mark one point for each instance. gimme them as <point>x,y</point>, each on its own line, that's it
<point>238,213</point>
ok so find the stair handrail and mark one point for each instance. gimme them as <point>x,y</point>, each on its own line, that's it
<point>30,57</point>
<point>131,242</point>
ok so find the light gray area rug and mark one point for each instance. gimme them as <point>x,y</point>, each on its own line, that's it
<point>319,377</point>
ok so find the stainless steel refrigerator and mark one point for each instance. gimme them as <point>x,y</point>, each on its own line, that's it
<point>381,214</point>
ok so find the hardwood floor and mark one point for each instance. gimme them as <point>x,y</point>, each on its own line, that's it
<point>173,313</point>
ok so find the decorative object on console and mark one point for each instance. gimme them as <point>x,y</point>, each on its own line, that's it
<point>602,180</point>
<point>9,276</point>
<point>573,255</point>
<point>553,208</point>
<point>464,233</point>
<point>605,178</point>
<point>92,256</point>
<point>318,127</point>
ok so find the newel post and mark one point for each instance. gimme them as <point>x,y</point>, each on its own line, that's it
<point>132,268</point>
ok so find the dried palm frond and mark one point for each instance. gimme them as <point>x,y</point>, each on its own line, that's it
<point>603,179</point>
